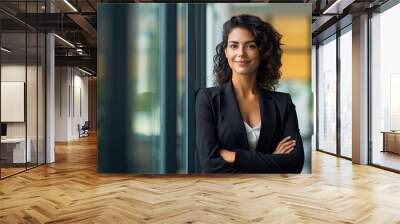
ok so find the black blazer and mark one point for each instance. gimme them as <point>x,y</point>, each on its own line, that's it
<point>219,125</point>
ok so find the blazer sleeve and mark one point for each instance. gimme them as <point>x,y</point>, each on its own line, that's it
<point>258,162</point>
<point>207,137</point>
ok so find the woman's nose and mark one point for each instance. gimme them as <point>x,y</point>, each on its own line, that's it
<point>241,51</point>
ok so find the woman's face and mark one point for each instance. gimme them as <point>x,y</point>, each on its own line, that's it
<point>242,52</point>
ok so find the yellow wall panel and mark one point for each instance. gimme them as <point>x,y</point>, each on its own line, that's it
<point>296,40</point>
<point>295,30</point>
<point>296,66</point>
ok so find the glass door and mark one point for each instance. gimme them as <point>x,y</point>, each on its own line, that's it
<point>326,136</point>
<point>346,92</point>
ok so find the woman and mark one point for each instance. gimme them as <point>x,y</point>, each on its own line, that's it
<point>243,125</point>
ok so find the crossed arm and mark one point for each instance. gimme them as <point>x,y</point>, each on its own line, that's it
<point>284,147</point>
<point>288,156</point>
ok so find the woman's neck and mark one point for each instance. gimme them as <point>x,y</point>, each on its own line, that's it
<point>244,86</point>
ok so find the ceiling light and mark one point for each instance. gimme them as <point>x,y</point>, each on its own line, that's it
<point>65,41</point>
<point>338,6</point>
<point>70,5</point>
<point>5,50</point>
<point>84,71</point>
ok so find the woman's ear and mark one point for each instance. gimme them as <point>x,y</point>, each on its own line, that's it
<point>225,52</point>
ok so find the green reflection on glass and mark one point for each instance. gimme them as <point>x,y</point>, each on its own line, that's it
<point>144,108</point>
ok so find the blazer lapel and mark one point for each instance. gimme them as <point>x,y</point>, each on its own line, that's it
<point>230,112</point>
<point>268,121</point>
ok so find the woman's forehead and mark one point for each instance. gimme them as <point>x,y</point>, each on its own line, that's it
<point>240,34</point>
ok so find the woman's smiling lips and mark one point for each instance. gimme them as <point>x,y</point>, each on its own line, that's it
<point>241,62</point>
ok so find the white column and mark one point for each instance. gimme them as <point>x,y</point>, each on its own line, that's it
<point>50,92</point>
<point>314,94</point>
<point>360,90</point>
<point>50,108</point>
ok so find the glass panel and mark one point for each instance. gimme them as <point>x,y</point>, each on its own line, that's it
<point>20,85</point>
<point>32,85</point>
<point>31,98</point>
<point>145,105</point>
<point>385,84</point>
<point>345,94</point>
<point>327,96</point>
<point>13,87</point>
<point>180,144</point>
<point>41,99</point>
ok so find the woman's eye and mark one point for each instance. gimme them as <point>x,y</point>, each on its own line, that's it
<point>251,46</point>
<point>233,46</point>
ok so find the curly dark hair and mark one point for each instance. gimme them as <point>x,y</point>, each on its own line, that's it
<point>268,41</point>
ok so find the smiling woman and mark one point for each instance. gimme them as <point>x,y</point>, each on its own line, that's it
<point>242,53</point>
<point>244,125</point>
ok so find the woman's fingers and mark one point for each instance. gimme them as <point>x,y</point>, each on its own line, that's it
<point>285,151</point>
<point>290,150</point>
<point>288,144</point>
<point>283,141</point>
<point>285,146</point>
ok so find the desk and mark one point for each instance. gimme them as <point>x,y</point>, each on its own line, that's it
<point>15,148</point>
<point>391,141</point>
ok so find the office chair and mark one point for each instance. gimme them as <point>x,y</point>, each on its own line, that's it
<point>84,130</point>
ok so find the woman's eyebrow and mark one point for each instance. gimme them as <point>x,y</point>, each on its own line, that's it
<point>236,42</point>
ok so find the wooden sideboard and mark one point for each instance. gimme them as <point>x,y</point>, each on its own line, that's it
<point>391,141</point>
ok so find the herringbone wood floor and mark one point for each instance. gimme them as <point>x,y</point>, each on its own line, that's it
<point>71,191</point>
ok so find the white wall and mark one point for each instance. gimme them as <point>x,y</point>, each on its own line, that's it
<point>71,102</point>
<point>16,73</point>
<point>81,108</point>
<point>61,103</point>
<point>13,72</point>
<point>33,126</point>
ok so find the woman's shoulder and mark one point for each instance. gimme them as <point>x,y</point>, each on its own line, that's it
<point>205,100</point>
<point>208,91</point>
<point>283,99</point>
<point>281,96</point>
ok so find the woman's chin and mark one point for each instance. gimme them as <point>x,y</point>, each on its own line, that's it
<point>244,72</point>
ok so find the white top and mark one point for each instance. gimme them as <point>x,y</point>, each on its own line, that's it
<point>253,134</point>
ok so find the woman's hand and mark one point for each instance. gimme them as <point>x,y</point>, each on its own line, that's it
<point>227,155</point>
<point>285,146</point>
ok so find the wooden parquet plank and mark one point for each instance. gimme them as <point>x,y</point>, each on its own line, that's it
<point>71,191</point>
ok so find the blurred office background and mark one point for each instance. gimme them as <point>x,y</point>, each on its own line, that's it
<point>151,67</point>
